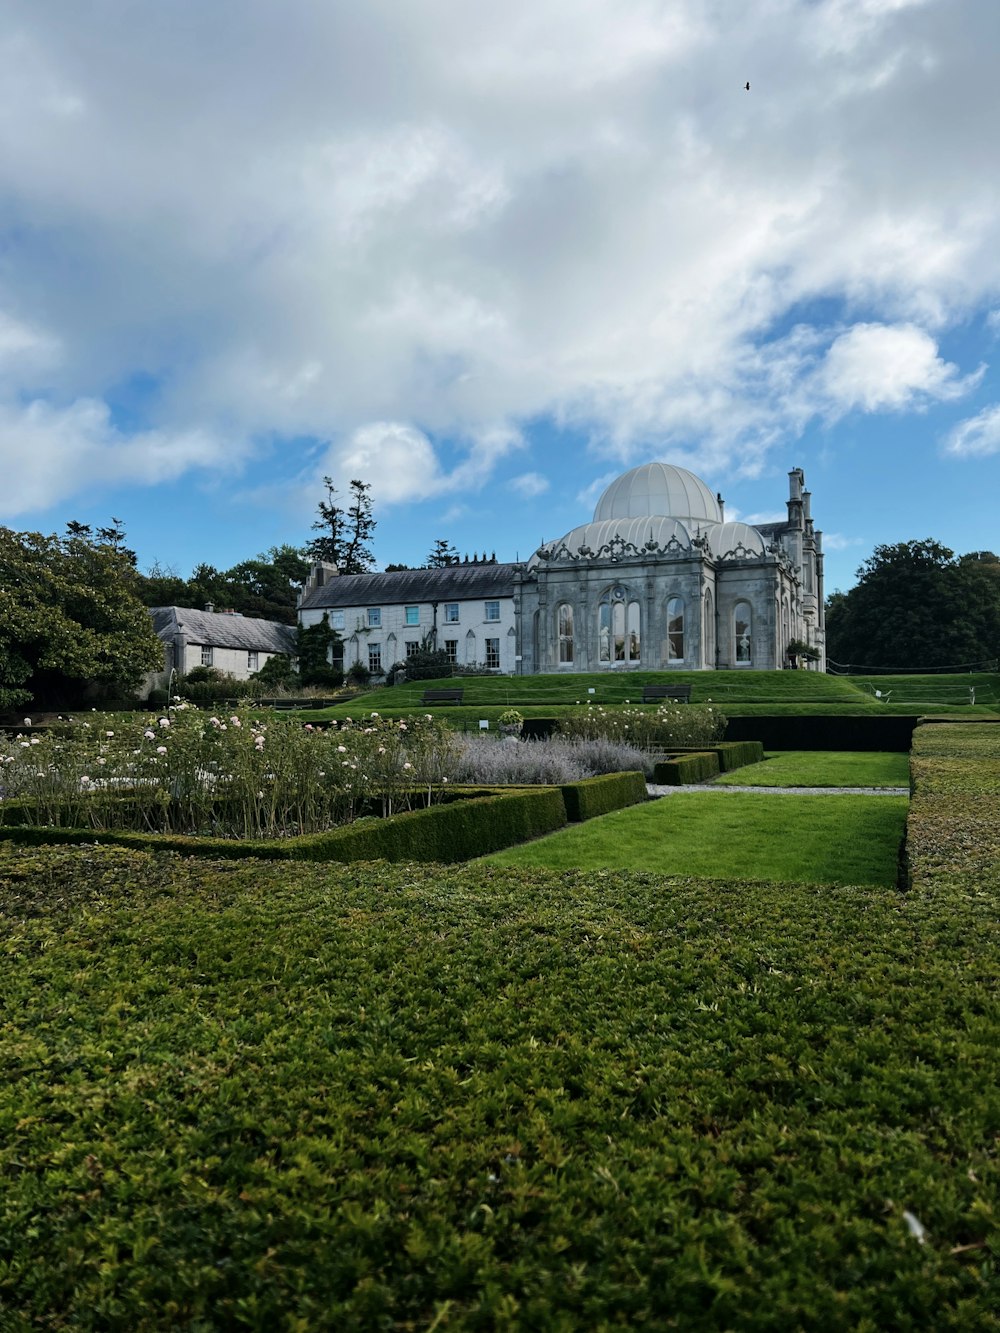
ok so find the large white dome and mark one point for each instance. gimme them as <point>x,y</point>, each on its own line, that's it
<point>637,531</point>
<point>658,489</point>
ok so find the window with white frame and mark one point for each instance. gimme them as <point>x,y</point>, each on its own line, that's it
<point>618,629</point>
<point>206,655</point>
<point>252,659</point>
<point>451,649</point>
<point>743,633</point>
<point>374,617</point>
<point>493,654</point>
<point>375,658</point>
<point>675,630</point>
<point>451,613</point>
<point>411,615</point>
<point>492,610</point>
<point>412,647</point>
<point>565,617</point>
<point>337,620</point>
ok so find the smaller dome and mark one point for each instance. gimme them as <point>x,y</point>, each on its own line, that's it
<point>725,538</point>
<point>658,488</point>
<point>636,531</point>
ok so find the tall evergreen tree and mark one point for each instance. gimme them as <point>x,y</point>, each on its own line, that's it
<point>442,555</point>
<point>346,533</point>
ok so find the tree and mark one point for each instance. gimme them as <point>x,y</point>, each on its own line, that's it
<point>72,627</point>
<point>313,644</point>
<point>442,555</point>
<point>916,607</point>
<point>346,532</point>
<point>265,587</point>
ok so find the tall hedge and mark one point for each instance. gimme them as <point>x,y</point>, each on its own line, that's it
<point>953,828</point>
<point>601,795</point>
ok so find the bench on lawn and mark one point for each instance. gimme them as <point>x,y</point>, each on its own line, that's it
<point>452,696</point>
<point>650,693</point>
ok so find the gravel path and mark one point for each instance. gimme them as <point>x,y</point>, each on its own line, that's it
<point>654,790</point>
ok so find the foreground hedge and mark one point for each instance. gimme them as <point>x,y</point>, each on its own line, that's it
<point>953,828</point>
<point>370,1098</point>
<point>601,795</point>
<point>732,754</point>
<point>458,831</point>
<point>698,766</point>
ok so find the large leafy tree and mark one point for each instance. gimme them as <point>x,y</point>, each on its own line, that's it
<point>72,627</point>
<point>345,534</point>
<point>266,587</point>
<point>916,606</point>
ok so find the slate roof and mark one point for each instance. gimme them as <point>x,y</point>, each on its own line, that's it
<point>454,583</point>
<point>218,630</point>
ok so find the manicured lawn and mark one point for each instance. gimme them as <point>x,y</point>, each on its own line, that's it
<point>819,839</point>
<point>823,768</point>
<point>389,1098</point>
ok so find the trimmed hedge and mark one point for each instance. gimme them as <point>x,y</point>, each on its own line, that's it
<point>457,831</point>
<point>601,795</point>
<point>825,732</point>
<point>953,828</point>
<point>685,769</point>
<point>732,754</point>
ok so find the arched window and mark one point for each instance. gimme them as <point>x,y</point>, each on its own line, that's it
<point>619,632</point>
<point>743,633</point>
<point>708,638</point>
<point>565,627</point>
<point>675,630</point>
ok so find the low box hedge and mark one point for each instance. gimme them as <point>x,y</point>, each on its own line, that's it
<point>732,754</point>
<point>953,827</point>
<point>456,831</point>
<point>601,795</point>
<point>685,769</point>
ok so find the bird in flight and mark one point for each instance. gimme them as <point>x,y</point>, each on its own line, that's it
<point>748,85</point>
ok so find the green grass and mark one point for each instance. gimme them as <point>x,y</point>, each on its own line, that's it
<point>822,768</point>
<point>399,1097</point>
<point>735,692</point>
<point>786,839</point>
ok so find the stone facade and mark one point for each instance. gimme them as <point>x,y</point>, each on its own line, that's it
<point>658,581</point>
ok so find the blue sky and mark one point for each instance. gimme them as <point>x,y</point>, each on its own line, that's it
<point>487,258</point>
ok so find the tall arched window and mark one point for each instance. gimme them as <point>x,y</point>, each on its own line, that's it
<point>675,630</point>
<point>565,618</point>
<point>619,635</point>
<point>743,633</point>
<point>708,638</point>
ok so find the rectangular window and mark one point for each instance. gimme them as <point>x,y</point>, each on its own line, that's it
<point>492,610</point>
<point>252,659</point>
<point>451,613</point>
<point>375,658</point>
<point>206,656</point>
<point>412,615</point>
<point>493,654</point>
<point>412,647</point>
<point>374,617</point>
<point>451,648</point>
<point>336,619</point>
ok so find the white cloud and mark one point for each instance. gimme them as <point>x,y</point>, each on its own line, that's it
<point>836,541</point>
<point>406,230</point>
<point>976,437</point>
<point>877,367</point>
<point>48,454</point>
<point>529,484</point>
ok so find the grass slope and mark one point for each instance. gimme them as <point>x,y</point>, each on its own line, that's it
<point>787,839</point>
<point>735,692</point>
<point>822,768</point>
<point>481,1099</point>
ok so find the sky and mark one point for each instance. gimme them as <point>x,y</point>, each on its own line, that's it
<point>488,257</point>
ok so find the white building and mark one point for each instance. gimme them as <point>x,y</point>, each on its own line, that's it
<point>234,644</point>
<point>657,581</point>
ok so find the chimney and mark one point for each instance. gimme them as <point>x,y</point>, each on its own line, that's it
<point>721,504</point>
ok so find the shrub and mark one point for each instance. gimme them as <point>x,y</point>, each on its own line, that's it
<point>484,759</point>
<point>599,796</point>
<point>359,674</point>
<point>686,769</point>
<point>647,728</point>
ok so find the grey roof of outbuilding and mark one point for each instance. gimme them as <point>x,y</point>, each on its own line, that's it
<point>216,629</point>
<point>454,583</point>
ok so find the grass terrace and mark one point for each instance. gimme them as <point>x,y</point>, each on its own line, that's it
<point>737,693</point>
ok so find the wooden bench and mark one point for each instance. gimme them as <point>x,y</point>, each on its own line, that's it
<point>651,693</point>
<point>442,696</point>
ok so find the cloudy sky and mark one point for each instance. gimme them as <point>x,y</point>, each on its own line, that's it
<point>486,257</point>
